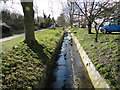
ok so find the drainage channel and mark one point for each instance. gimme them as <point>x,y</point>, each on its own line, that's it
<point>68,71</point>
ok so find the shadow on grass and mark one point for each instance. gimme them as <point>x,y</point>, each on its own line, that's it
<point>92,33</point>
<point>39,50</point>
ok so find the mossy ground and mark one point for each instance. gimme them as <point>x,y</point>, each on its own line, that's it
<point>105,54</point>
<point>24,66</point>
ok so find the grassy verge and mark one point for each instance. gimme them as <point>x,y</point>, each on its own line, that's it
<point>105,54</point>
<point>7,45</point>
<point>24,66</point>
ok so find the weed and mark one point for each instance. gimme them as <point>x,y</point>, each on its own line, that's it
<point>112,82</point>
<point>114,55</point>
<point>116,69</point>
<point>112,59</point>
<point>107,69</point>
<point>102,70</point>
<point>115,59</point>
<point>95,63</point>
<point>87,52</point>
<point>93,47</point>
<point>107,75</point>
<point>93,54</point>
<point>95,59</point>
<point>115,51</point>
<point>102,53</point>
<point>100,65</point>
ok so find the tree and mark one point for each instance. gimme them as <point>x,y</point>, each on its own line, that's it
<point>36,10</point>
<point>61,20</point>
<point>28,21</point>
<point>47,20</point>
<point>92,10</point>
<point>71,11</point>
<point>106,14</point>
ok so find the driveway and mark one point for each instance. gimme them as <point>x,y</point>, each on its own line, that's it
<point>17,35</point>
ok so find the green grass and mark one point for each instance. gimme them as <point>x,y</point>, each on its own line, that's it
<point>7,45</point>
<point>24,66</point>
<point>40,36</point>
<point>104,53</point>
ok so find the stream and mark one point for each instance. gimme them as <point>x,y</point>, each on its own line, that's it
<point>69,71</point>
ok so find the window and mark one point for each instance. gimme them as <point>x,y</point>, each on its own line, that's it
<point>118,22</point>
<point>112,23</point>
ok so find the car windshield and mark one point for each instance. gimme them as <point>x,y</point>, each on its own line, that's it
<point>118,22</point>
<point>114,23</point>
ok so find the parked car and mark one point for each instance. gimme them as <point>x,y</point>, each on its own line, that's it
<point>53,27</point>
<point>113,26</point>
<point>75,25</point>
<point>82,26</point>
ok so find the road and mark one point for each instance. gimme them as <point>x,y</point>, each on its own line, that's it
<point>17,35</point>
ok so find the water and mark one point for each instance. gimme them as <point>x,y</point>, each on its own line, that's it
<point>68,71</point>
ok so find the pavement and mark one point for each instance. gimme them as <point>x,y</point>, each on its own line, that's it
<point>17,35</point>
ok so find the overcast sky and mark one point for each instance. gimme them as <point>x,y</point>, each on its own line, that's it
<point>52,7</point>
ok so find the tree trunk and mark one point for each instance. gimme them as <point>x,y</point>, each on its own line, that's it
<point>96,38</point>
<point>89,27</point>
<point>71,20</point>
<point>28,21</point>
<point>71,15</point>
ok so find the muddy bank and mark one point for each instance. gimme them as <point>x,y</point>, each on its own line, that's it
<point>48,70</point>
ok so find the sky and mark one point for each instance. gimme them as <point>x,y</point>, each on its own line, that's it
<point>52,7</point>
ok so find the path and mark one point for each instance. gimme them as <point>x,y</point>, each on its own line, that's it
<point>17,35</point>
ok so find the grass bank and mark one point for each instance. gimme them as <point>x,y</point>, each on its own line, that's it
<point>24,66</point>
<point>105,54</point>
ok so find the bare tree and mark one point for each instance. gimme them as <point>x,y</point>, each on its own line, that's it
<point>36,10</point>
<point>92,10</point>
<point>105,14</point>
<point>71,11</point>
